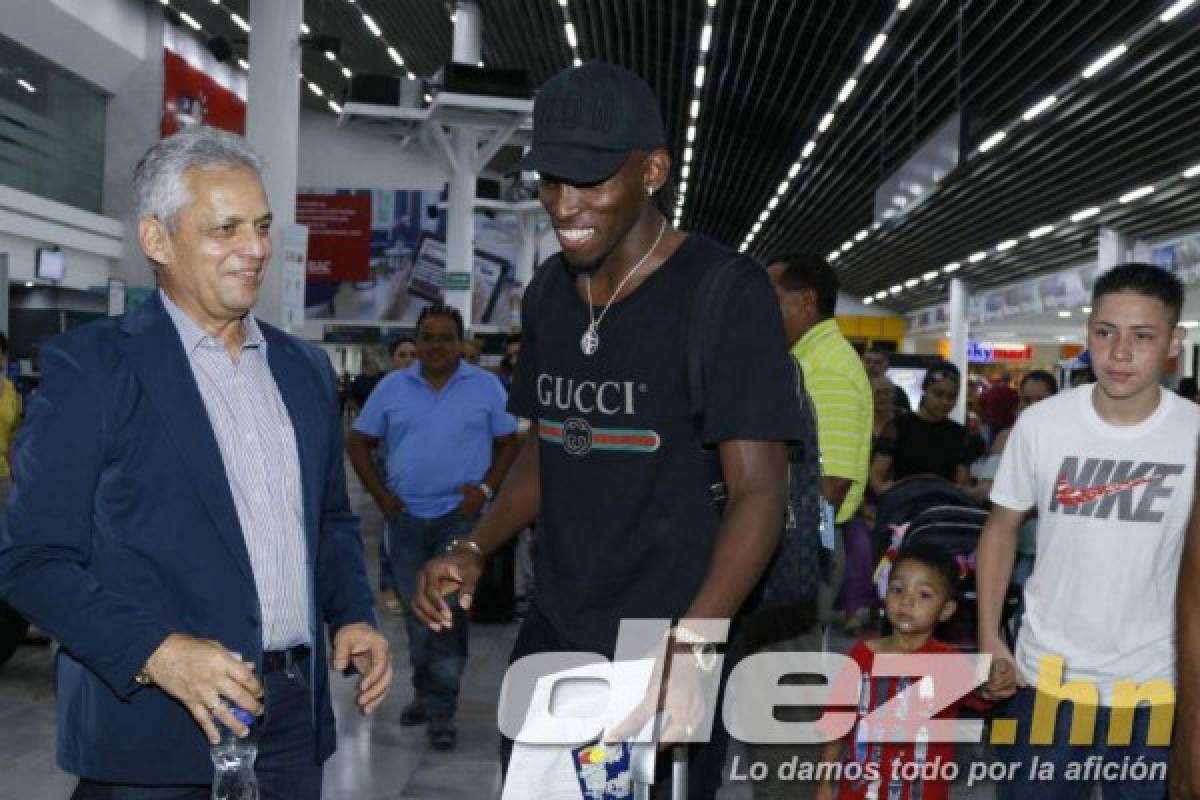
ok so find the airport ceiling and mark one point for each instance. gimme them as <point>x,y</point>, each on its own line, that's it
<point>774,69</point>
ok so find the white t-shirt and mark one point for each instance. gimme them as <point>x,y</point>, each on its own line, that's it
<point>1113,504</point>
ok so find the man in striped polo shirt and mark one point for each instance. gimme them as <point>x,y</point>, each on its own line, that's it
<point>833,373</point>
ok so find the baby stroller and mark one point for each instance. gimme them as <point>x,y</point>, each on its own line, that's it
<point>930,509</point>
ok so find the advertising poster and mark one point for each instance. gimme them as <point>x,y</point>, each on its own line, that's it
<point>295,240</point>
<point>191,97</point>
<point>404,269</point>
<point>339,235</point>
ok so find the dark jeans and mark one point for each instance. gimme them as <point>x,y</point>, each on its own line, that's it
<point>1066,757</point>
<point>706,762</point>
<point>438,659</point>
<point>286,767</point>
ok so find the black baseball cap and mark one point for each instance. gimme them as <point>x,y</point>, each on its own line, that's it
<point>588,119</point>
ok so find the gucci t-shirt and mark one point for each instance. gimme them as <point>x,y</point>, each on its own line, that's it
<point>627,523</point>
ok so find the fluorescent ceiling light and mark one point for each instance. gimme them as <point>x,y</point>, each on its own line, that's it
<point>1007,244</point>
<point>951,267</point>
<point>783,187</point>
<point>1039,232</point>
<point>1192,172</point>
<point>695,109</point>
<point>1175,10</point>
<point>880,295</point>
<point>305,29</point>
<point>903,5</point>
<point>691,133</point>
<point>699,83</point>
<point>685,171</point>
<point>1190,323</point>
<point>794,170</point>
<point>825,122</point>
<point>764,216</point>
<point>683,187</point>
<point>1086,309</point>
<point>334,107</point>
<point>858,237</point>
<point>897,289</point>
<point>1039,107</point>
<point>705,38</point>
<point>1064,314</point>
<point>578,62</point>
<point>371,26</point>
<point>569,29</point>
<point>774,201</point>
<point>186,17</point>
<point>742,247</point>
<point>1104,60</point>
<point>833,255</point>
<point>312,87</point>
<point>1136,194</point>
<point>808,149</point>
<point>911,283</point>
<point>846,245</point>
<point>346,73</point>
<point>26,85</point>
<point>874,49</point>
<point>687,155</point>
<point>866,301</point>
<point>993,140</point>
<point>241,23</point>
<point>244,64</point>
<point>844,94</point>
<point>975,258</point>
<point>929,276</point>
<point>330,55</point>
<point>1080,216</point>
<point>395,57</point>
<point>756,228</point>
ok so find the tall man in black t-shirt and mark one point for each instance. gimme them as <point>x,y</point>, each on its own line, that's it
<point>617,471</point>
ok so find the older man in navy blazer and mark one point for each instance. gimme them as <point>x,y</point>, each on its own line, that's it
<point>179,520</point>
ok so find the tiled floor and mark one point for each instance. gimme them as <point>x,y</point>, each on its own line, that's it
<point>376,759</point>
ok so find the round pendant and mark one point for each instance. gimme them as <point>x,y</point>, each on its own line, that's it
<point>590,342</point>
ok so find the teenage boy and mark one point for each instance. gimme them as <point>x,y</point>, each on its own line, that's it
<point>1110,469</point>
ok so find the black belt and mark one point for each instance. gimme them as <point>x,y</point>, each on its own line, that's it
<point>279,660</point>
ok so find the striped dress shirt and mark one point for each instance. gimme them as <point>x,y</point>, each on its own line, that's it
<point>258,448</point>
<point>841,395</point>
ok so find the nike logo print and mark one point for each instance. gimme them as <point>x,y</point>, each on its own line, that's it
<point>1069,495</point>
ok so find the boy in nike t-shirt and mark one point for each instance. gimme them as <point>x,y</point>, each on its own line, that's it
<point>1109,469</point>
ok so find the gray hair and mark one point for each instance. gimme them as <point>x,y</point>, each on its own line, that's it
<point>158,186</point>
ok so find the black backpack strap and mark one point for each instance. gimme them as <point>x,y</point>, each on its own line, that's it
<point>706,310</point>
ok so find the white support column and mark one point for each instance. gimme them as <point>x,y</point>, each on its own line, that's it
<point>273,125</point>
<point>958,342</point>
<point>460,199</point>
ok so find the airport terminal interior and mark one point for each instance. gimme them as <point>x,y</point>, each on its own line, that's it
<point>967,169</point>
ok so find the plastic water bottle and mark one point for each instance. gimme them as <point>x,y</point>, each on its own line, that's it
<point>233,760</point>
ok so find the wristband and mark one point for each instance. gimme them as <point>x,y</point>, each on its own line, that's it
<point>456,544</point>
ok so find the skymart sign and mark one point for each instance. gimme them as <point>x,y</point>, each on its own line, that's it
<point>574,698</point>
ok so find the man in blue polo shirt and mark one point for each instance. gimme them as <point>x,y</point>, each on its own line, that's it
<point>448,443</point>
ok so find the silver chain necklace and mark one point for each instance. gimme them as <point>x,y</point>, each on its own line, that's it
<point>589,343</point>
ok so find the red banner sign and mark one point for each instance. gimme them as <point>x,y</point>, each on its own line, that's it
<point>339,235</point>
<point>190,97</point>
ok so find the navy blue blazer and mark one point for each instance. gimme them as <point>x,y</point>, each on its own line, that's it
<point>122,529</point>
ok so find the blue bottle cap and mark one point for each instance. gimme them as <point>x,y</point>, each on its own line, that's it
<point>244,717</point>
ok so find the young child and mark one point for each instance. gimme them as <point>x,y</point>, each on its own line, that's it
<point>922,592</point>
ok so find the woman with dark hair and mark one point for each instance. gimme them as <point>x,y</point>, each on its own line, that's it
<point>927,441</point>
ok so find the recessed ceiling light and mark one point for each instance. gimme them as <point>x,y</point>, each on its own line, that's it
<point>846,245</point>
<point>858,237</point>
<point>1175,10</point>
<point>1041,231</point>
<point>930,276</point>
<point>833,255</point>
<point>1079,216</point>
<point>951,267</point>
<point>897,289</point>
<point>866,301</point>
<point>911,283</point>
<point>992,141</point>
<point>1192,172</point>
<point>346,73</point>
<point>1007,244</point>
<point>1136,194</point>
<point>975,258</point>
<point>881,295</point>
<point>244,64</point>
<point>1104,60</point>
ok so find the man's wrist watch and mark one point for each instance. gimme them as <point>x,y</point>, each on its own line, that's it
<point>704,651</point>
<point>486,490</point>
